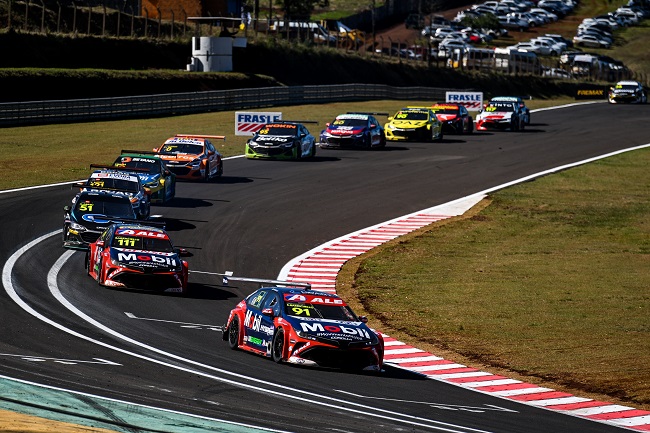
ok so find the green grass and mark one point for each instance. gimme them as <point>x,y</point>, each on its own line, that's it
<point>57,153</point>
<point>549,281</point>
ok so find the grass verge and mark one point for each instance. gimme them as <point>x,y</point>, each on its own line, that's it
<point>546,280</point>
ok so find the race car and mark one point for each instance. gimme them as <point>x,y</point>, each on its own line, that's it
<point>135,256</point>
<point>353,130</point>
<point>281,140</point>
<point>91,213</point>
<point>157,177</point>
<point>109,178</point>
<point>500,116</point>
<point>522,105</point>
<point>192,157</point>
<point>627,92</point>
<point>304,327</point>
<point>454,117</point>
<point>414,123</point>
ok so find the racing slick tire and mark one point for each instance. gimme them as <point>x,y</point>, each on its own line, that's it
<point>233,333</point>
<point>313,150</point>
<point>206,176</point>
<point>277,347</point>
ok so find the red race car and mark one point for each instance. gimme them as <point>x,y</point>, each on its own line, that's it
<point>304,327</point>
<point>139,257</point>
<point>454,117</point>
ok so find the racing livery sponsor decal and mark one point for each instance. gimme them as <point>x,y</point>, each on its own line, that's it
<point>142,258</point>
<point>471,100</point>
<point>313,299</point>
<point>141,233</point>
<point>591,92</point>
<point>249,122</point>
<point>334,331</point>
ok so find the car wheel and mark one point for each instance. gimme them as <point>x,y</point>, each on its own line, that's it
<point>313,150</point>
<point>277,348</point>
<point>233,333</point>
<point>298,153</point>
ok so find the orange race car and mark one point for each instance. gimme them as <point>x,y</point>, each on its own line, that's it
<point>192,157</point>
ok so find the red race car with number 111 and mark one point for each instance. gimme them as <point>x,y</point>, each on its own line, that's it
<point>134,256</point>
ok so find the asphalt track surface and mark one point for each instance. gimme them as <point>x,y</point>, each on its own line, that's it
<point>165,351</point>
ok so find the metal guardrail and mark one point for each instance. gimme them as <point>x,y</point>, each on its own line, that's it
<point>84,110</point>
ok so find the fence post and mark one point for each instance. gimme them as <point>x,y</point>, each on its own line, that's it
<point>132,21</point>
<point>119,19</point>
<point>9,14</point>
<point>90,17</point>
<point>146,22</point>
<point>58,17</point>
<point>26,14</point>
<point>74,18</point>
<point>159,20</point>
<point>104,21</point>
<point>173,22</point>
<point>42,17</point>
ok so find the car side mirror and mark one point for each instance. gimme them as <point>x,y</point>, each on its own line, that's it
<point>67,208</point>
<point>268,312</point>
<point>390,118</point>
<point>99,243</point>
<point>303,135</point>
<point>147,190</point>
<point>210,152</point>
<point>328,124</point>
<point>183,252</point>
<point>372,125</point>
<point>155,149</point>
<point>167,172</point>
<point>363,319</point>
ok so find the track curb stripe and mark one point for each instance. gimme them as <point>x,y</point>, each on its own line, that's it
<point>334,254</point>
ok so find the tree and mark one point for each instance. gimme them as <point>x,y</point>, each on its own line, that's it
<point>300,10</point>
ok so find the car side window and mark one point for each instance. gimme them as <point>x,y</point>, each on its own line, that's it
<point>257,298</point>
<point>273,302</point>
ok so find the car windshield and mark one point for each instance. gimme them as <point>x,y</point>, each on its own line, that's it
<point>412,115</point>
<point>190,148</point>
<point>350,122</point>
<point>142,243</point>
<point>107,182</point>
<point>500,106</point>
<point>626,86</point>
<point>278,129</point>
<point>149,164</point>
<point>320,311</point>
<point>118,207</point>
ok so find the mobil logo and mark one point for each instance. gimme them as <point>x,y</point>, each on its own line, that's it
<point>140,257</point>
<point>249,122</point>
<point>333,329</point>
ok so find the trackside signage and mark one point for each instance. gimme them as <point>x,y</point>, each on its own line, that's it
<point>249,122</point>
<point>471,100</point>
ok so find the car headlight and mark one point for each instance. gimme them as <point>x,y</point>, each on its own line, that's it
<point>390,126</point>
<point>152,184</point>
<point>288,145</point>
<point>115,262</point>
<point>358,135</point>
<point>252,143</point>
<point>77,227</point>
<point>196,163</point>
<point>305,335</point>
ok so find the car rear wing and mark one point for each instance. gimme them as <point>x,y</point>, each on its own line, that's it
<point>228,276</point>
<point>216,137</point>
<point>296,121</point>
<point>141,152</point>
<point>143,223</point>
<point>116,168</point>
<point>368,113</point>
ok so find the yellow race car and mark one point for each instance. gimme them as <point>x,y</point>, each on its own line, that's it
<point>415,124</point>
